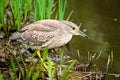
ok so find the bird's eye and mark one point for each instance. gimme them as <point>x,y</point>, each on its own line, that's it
<point>73,28</point>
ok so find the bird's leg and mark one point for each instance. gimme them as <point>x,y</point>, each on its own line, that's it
<point>42,58</point>
<point>25,49</point>
<point>29,52</point>
<point>38,53</point>
<point>8,43</point>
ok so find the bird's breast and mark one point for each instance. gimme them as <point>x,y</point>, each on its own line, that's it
<point>66,38</point>
<point>58,41</point>
<point>62,40</point>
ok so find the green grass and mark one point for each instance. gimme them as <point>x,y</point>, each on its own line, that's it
<point>44,11</point>
<point>26,6</point>
<point>22,11</point>
<point>18,70</point>
<point>1,76</point>
<point>39,9</point>
<point>61,8</point>
<point>32,72</point>
<point>66,71</point>
<point>15,6</point>
<point>49,8</point>
<point>51,70</point>
<point>2,15</point>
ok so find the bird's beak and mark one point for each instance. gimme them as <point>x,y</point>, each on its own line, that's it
<point>78,32</point>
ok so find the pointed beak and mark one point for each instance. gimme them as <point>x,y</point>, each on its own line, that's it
<point>81,34</point>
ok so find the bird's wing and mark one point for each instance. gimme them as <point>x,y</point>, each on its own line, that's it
<point>37,37</point>
<point>38,33</point>
<point>43,25</point>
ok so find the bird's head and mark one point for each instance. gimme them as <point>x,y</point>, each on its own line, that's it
<point>73,29</point>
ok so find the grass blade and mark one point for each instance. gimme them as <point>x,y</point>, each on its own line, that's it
<point>64,75</point>
<point>50,69</point>
<point>49,8</point>
<point>2,15</point>
<point>61,8</point>
<point>1,76</point>
<point>68,18</point>
<point>16,12</point>
<point>42,64</point>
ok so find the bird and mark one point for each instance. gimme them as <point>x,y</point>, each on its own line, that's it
<point>48,33</point>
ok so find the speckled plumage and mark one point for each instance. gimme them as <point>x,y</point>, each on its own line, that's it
<point>46,33</point>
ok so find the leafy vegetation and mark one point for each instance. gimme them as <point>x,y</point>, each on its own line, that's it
<point>15,6</point>
<point>16,13</point>
<point>20,70</point>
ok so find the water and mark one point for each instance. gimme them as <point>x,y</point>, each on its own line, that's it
<point>101,21</point>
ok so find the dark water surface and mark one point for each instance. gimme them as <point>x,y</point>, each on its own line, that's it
<point>101,21</point>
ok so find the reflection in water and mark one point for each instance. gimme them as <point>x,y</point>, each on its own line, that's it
<point>101,19</point>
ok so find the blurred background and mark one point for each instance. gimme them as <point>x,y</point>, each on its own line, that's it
<point>101,22</point>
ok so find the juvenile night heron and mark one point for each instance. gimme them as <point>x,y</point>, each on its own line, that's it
<point>47,33</point>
